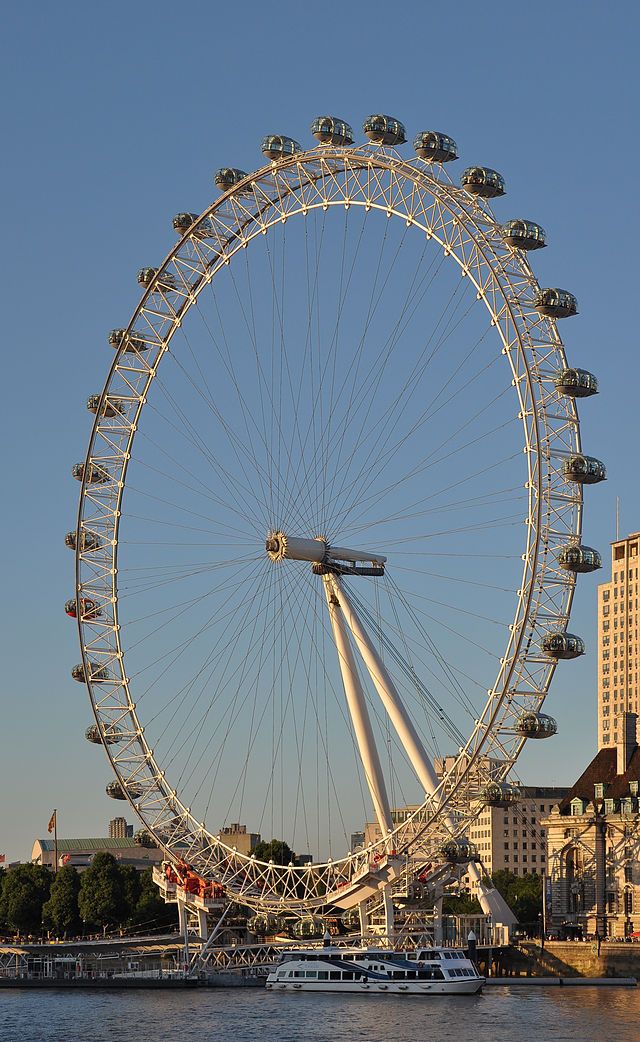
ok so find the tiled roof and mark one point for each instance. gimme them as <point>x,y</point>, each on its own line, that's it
<point>603,768</point>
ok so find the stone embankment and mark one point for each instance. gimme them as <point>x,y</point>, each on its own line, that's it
<point>562,959</point>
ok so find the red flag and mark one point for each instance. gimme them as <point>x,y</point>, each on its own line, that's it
<point>52,823</point>
<point>1,858</point>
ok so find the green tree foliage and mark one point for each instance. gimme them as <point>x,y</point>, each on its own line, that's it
<point>151,911</point>
<point>276,850</point>
<point>523,894</point>
<point>463,905</point>
<point>60,912</point>
<point>131,883</point>
<point>25,890</point>
<point>102,897</point>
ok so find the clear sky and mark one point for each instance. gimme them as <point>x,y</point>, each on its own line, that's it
<point>116,117</point>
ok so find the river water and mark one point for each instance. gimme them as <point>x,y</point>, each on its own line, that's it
<point>500,1014</point>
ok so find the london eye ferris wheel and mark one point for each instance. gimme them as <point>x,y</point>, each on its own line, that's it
<point>330,518</point>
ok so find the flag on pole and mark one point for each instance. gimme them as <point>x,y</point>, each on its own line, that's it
<point>52,823</point>
<point>1,858</point>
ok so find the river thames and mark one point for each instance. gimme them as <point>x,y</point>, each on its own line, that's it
<point>500,1014</point>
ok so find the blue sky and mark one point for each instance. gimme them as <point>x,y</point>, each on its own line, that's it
<point>116,118</point>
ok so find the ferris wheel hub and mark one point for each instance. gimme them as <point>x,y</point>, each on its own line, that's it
<point>321,554</point>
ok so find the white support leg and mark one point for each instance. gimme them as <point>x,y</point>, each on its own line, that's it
<point>359,713</point>
<point>388,912</point>
<point>387,691</point>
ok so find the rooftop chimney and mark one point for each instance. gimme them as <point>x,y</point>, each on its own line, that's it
<point>627,741</point>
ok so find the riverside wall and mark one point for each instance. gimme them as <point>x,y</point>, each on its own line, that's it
<point>561,959</point>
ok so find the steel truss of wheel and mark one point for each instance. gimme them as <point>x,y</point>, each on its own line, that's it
<point>464,230</point>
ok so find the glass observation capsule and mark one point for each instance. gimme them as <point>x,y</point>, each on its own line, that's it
<point>265,925</point>
<point>116,792</point>
<point>562,645</point>
<point>142,838</point>
<point>579,559</point>
<point>95,476</point>
<point>332,131</point>
<point>482,181</point>
<point>110,407</point>
<point>384,130</point>
<point>118,338</point>
<point>147,276</point>
<point>536,725</point>
<point>575,383</point>
<point>500,794</point>
<point>88,608</point>
<point>227,177</point>
<point>350,918</point>
<point>585,470</point>
<point>308,927</point>
<point>96,672</point>
<point>435,147</point>
<point>88,541</point>
<point>457,851</point>
<point>524,235</point>
<point>556,303</point>
<point>275,146</point>
<point>92,734</point>
<point>184,222</point>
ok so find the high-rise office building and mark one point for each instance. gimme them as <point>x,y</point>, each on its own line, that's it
<point>618,686</point>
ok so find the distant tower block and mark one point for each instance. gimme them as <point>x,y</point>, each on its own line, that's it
<point>118,829</point>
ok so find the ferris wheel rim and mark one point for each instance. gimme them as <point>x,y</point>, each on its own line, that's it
<point>377,158</point>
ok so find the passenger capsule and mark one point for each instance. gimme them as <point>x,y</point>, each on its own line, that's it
<point>536,725</point>
<point>88,541</point>
<point>435,147</point>
<point>579,559</point>
<point>263,924</point>
<point>164,282</point>
<point>89,609</point>
<point>482,181</point>
<point>350,918</point>
<point>112,736</point>
<point>116,792</point>
<point>556,303</point>
<point>96,672</point>
<point>110,406</point>
<point>384,130</point>
<point>457,851</point>
<point>142,838</point>
<point>308,927</point>
<point>332,131</point>
<point>585,470</point>
<point>575,383</point>
<point>95,475</point>
<point>524,235</point>
<point>276,146</point>
<point>500,794</point>
<point>228,177</point>
<point>562,645</point>
<point>130,344</point>
<point>182,222</point>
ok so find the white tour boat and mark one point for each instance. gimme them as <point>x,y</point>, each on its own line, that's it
<point>428,971</point>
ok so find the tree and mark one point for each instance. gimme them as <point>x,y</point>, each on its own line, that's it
<point>461,905</point>
<point>25,890</point>
<point>152,911</point>
<point>61,910</point>
<point>276,850</point>
<point>131,884</point>
<point>102,900</point>
<point>523,894</point>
